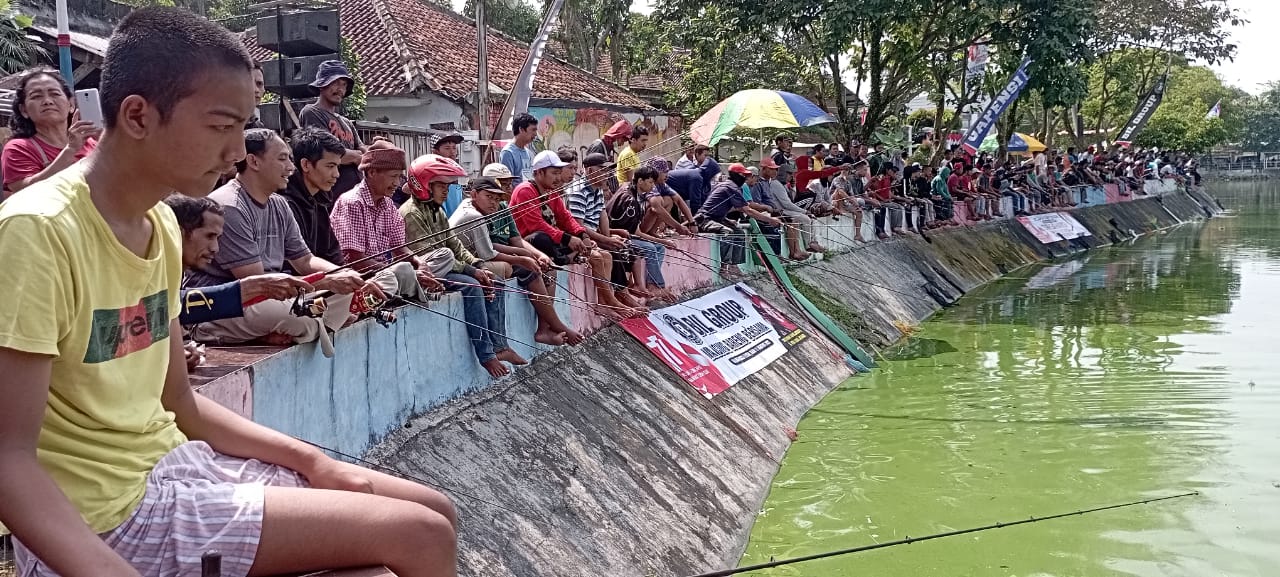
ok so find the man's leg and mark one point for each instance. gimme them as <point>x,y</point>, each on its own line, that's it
<point>653,254</point>
<point>476,316</point>
<point>496,311</point>
<point>602,269</point>
<point>551,330</point>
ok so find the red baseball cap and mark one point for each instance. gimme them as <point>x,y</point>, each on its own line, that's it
<point>767,162</point>
<point>739,168</point>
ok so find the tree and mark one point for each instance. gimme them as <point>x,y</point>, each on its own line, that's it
<point>1179,123</point>
<point>1261,120</point>
<point>353,106</point>
<point>589,27</point>
<point>16,50</point>
<point>515,18</point>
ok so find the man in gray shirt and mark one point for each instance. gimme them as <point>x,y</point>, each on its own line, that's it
<point>797,220</point>
<point>259,235</point>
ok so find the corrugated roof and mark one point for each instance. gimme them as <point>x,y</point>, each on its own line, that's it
<point>87,42</point>
<point>407,45</point>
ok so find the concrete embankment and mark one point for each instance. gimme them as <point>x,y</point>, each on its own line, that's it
<point>598,460</point>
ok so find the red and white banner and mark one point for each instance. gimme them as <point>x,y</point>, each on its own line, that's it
<point>716,340</point>
<point>1054,227</point>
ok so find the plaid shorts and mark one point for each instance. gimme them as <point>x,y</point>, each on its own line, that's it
<point>197,500</point>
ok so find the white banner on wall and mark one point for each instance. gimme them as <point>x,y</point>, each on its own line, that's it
<point>1054,227</point>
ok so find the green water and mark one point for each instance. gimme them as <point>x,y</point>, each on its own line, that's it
<point>1134,372</point>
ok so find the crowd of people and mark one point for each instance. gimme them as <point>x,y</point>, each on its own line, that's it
<point>181,220</point>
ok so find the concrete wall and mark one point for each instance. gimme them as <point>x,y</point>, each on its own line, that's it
<point>596,460</point>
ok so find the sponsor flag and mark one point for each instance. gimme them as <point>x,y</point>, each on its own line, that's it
<point>978,131</point>
<point>1146,108</point>
<point>976,64</point>
<point>1214,112</point>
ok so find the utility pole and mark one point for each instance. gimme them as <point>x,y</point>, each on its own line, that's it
<point>482,66</point>
<point>64,43</point>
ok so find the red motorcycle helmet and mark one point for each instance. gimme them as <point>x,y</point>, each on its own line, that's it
<point>430,168</point>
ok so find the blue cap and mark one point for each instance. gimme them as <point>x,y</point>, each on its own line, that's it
<point>330,71</point>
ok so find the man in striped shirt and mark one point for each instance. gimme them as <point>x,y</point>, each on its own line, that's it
<point>586,198</point>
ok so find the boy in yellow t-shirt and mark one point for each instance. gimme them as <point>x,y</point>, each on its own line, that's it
<point>110,465</point>
<point>629,158</point>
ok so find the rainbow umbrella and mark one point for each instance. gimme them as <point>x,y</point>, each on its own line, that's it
<point>757,109</point>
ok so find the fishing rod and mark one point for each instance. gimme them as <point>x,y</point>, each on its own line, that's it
<point>910,540</point>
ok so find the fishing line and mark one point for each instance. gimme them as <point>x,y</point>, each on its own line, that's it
<point>910,540</point>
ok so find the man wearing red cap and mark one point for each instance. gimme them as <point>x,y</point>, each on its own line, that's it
<point>713,217</point>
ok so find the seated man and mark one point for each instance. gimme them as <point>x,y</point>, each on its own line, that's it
<point>713,218</point>
<point>670,213</point>
<point>317,156</point>
<point>201,222</point>
<point>797,221</point>
<point>369,229</point>
<point>484,225</point>
<point>586,204</point>
<point>626,210</point>
<point>259,235</point>
<point>430,178</point>
<point>110,463</point>
<point>547,225</point>
<point>693,184</point>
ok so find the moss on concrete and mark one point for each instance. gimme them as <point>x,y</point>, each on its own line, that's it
<point>850,321</point>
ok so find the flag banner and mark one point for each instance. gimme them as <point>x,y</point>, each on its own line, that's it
<point>973,139</point>
<point>1053,227</point>
<point>976,64</point>
<point>1214,112</point>
<point>518,100</point>
<point>1146,108</point>
<point>716,340</point>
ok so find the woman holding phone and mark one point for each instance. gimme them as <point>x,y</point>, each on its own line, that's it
<point>48,135</point>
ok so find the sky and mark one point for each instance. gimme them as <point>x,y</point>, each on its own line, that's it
<point>1257,43</point>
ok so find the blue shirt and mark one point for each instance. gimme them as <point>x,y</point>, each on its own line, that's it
<point>518,161</point>
<point>693,184</point>
<point>454,199</point>
<point>725,197</point>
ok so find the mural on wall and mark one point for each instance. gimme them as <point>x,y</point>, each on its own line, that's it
<point>579,128</point>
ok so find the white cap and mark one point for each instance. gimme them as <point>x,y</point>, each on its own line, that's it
<point>547,159</point>
<point>497,170</point>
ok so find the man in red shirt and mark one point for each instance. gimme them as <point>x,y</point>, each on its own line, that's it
<point>546,223</point>
<point>891,214</point>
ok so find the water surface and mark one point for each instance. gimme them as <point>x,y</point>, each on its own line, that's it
<point>1132,372</point>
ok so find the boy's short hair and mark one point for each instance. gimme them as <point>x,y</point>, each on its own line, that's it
<point>159,54</point>
<point>311,143</point>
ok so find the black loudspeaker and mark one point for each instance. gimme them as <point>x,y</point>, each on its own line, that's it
<point>304,33</point>
<point>269,114</point>
<point>299,73</point>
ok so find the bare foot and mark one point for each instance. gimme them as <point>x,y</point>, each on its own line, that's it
<point>609,312</point>
<point>800,256</point>
<point>549,337</point>
<point>639,291</point>
<point>626,299</point>
<point>815,247</point>
<point>278,340</point>
<point>496,368</point>
<point>573,338</point>
<point>510,356</point>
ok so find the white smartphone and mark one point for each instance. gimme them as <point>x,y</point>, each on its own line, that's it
<point>89,106</point>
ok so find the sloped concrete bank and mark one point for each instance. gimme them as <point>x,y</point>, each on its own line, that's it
<point>599,461</point>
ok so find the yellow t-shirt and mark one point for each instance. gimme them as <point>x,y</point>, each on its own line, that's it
<point>72,291</point>
<point>627,160</point>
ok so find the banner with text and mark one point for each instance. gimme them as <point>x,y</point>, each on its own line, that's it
<point>978,132</point>
<point>1054,227</point>
<point>719,339</point>
<point>1146,108</point>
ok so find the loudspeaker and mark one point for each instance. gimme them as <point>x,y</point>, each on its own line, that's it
<point>269,113</point>
<point>304,33</point>
<point>299,73</point>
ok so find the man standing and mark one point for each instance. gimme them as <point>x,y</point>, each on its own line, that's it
<point>484,309</point>
<point>484,225</point>
<point>446,145</point>
<point>259,236</point>
<point>111,463</point>
<point>781,156</point>
<point>259,89</point>
<point>693,184</point>
<point>516,155</point>
<point>629,158</point>
<point>334,84</point>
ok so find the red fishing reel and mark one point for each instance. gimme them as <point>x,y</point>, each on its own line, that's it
<point>366,303</point>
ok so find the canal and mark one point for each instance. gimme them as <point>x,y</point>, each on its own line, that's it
<point>1136,371</point>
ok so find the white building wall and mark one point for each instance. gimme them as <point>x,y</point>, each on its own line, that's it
<point>420,112</point>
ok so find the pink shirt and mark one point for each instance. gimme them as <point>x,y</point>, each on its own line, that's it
<point>26,157</point>
<point>367,226</point>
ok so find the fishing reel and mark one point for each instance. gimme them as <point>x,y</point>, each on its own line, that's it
<point>365,303</point>
<point>309,306</point>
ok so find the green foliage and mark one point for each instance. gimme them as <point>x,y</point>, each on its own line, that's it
<point>233,14</point>
<point>1261,117</point>
<point>353,106</point>
<point>924,118</point>
<point>515,18</point>
<point>16,50</point>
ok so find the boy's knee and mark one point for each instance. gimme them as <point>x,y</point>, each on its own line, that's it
<point>423,530</point>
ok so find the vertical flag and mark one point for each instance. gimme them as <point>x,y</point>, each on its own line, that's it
<point>518,99</point>
<point>978,131</point>
<point>1214,112</point>
<point>1146,108</point>
<point>976,64</point>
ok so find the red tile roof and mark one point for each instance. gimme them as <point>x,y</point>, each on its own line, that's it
<point>406,45</point>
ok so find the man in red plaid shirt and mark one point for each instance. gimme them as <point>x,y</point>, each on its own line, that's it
<point>366,222</point>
